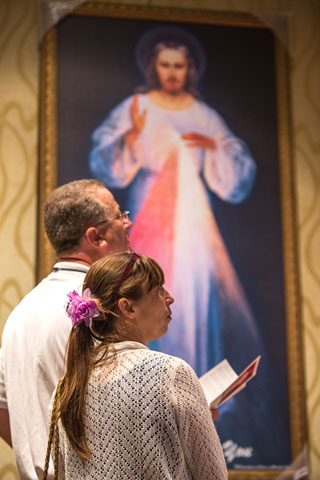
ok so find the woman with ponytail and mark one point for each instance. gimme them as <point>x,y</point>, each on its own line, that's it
<point>123,411</point>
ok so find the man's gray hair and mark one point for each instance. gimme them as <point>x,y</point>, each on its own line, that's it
<point>69,211</point>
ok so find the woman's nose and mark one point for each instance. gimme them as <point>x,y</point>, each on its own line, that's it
<point>169,298</point>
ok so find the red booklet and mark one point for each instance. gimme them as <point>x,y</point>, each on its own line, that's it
<point>221,382</point>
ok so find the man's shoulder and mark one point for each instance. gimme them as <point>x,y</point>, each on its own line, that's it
<point>202,105</point>
<point>123,104</point>
<point>52,285</point>
<point>206,113</point>
<point>47,299</point>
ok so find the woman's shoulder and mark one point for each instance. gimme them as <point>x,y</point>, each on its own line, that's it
<point>172,371</point>
<point>171,361</point>
<point>141,360</point>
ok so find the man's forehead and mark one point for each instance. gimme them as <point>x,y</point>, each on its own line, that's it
<point>172,55</point>
<point>104,195</point>
<point>106,198</point>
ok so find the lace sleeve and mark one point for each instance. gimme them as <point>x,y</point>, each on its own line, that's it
<point>200,442</point>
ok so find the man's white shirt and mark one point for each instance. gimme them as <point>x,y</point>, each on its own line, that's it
<point>32,361</point>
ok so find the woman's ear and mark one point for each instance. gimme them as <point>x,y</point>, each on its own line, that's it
<point>126,307</point>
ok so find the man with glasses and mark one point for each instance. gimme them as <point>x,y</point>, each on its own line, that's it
<point>83,223</point>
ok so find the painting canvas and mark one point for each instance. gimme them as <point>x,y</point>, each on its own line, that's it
<point>204,174</point>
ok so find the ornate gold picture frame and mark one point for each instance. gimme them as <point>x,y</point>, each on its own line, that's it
<point>88,66</point>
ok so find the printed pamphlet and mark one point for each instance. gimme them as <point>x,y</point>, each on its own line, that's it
<point>221,382</point>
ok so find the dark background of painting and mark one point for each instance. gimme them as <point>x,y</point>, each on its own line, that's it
<point>97,70</point>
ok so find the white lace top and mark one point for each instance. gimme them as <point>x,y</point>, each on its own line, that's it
<point>146,418</point>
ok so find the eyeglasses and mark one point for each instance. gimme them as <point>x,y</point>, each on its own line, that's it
<point>127,271</point>
<point>124,216</point>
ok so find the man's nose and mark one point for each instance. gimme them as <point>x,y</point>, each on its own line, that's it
<point>128,224</point>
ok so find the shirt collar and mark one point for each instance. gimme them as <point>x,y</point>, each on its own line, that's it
<point>71,266</point>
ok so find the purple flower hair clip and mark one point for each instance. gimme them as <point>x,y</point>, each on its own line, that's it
<point>82,309</point>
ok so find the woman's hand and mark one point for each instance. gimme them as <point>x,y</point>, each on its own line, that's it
<point>194,139</point>
<point>214,414</point>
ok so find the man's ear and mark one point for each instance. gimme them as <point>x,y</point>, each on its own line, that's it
<point>94,238</point>
<point>126,307</point>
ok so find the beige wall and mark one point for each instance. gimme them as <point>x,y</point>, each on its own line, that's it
<point>18,168</point>
<point>18,163</point>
